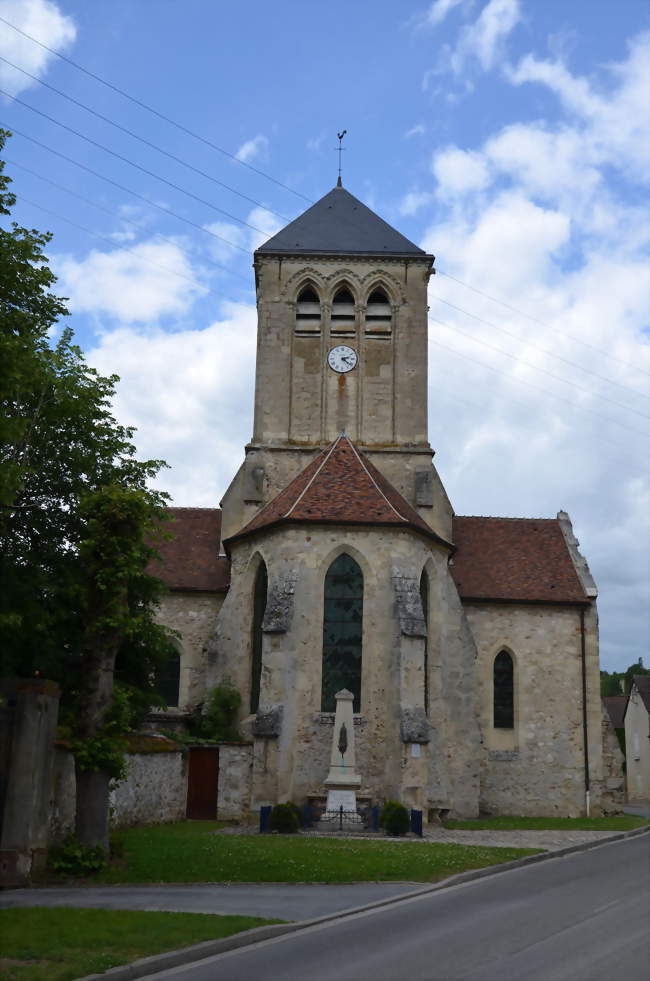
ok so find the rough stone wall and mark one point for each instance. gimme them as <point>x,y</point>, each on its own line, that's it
<point>538,766</point>
<point>154,792</point>
<point>301,404</point>
<point>296,763</point>
<point>613,794</point>
<point>637,747</point>
<point>193,614</point>
<point>235,766</point>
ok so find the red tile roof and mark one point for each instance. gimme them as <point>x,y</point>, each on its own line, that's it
<point>340,486</point>
<point>615,705</point>
<point>190,558</point>
<point>523,560</point>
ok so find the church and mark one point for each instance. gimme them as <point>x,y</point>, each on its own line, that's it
<point>469,645</point>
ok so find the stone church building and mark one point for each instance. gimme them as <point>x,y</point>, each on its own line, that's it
<point>470,644</point>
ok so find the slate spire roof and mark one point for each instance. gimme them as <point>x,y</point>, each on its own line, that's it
<point>340,224</point>
<point>340,486</point>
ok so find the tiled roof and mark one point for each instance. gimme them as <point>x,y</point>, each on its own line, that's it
<point>642,682</point>
<point>190,558</point>
<point>615,705</point>
<point>340,486</point>
<point>340,224</point>
<point>523,560</point>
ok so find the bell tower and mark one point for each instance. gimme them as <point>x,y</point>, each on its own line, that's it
<point>341,347</point>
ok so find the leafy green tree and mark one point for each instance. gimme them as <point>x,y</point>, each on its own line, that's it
<point>76,603</point>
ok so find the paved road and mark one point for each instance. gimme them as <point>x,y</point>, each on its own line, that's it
<point>287,902</point>
<point>583,917</point>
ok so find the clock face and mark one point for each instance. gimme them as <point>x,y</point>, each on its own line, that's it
<point>342,358</point>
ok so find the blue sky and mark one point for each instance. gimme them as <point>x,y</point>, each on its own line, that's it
<point>508,137</point>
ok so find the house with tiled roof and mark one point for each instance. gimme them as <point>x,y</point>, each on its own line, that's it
<point>468,645</point>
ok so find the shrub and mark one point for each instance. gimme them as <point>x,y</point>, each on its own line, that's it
<point>284,819</point>
<point>297,811</point>
<point>73,858</point>
<point>394,818</point>
<point>215,720</point>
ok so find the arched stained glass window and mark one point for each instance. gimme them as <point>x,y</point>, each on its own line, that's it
<point>504,691</point>
<point>424,597</point>
<point>169,679</point>
<point>259,607</point>
<point>342,632</point>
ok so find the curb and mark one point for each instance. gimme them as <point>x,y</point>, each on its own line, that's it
<point>189,955</point>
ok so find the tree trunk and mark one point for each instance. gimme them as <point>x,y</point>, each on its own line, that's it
<point>91,816</point>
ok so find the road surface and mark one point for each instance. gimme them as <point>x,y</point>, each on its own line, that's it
<point>583,917</point>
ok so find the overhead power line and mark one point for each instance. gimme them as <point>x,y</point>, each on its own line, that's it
<point>128,190</point>
<point>552,354</point>
<point>104,238</point>
<point>111,212</point>
<point>148,143</point>
<point>539,388</point>
<point>542,323</point>
<point>131,163</point>
<point>543,371</point>
<point>160,115</point>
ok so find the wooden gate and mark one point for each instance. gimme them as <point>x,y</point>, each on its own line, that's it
<point>203,783</point>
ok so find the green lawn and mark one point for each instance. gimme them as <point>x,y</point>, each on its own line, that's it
<point>43,944</point>
<point>619,822</point>
<point>188,852</point>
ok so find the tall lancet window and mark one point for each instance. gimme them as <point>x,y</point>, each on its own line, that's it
<point>308,310</point>
<point>259,606</point>
<point>169,679</point>
<point>503,691</point>
<point>343,312</point>
<point>342,632</point>
<point>424,596</point>
<point>378,311</point>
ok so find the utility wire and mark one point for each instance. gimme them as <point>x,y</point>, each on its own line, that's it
<point>131,163</point>
<point>160,115</point>
<point>542,323</point>
<point>528,364</point>
<point>141,139</point>
<point>127,190</point>
<point>111,212</point>
<point>539,388</point>
<point>141,258</point>
<point>559,357</point>
<point>473,403</point>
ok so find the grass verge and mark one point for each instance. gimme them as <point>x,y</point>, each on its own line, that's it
<point>188,852</point>
<point>618,822</point>
<point>45,944</point>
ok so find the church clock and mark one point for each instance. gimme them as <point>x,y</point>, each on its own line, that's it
<point>342,358</point>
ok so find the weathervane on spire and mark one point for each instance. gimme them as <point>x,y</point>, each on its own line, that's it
<point>340,135</point>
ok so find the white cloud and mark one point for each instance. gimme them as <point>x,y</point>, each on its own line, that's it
<point>484,38</point>
<point>417,130</point>
<point>459,171</point>
<point>614,120</point>
<point>190,395</point>
<point>439,10</point>
<point>252,149</point>
<point>44,21</point>
<point>226,232</point>
<point>536,217</point>
<point>268,225</point>
<point>412,202</point>
<point>151,280</point>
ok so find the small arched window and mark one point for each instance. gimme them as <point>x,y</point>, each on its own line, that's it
<point>308,314</point>
<point>424,598</point>
<point>342,632</point>
<point>343,312</point>
<point>169,678</point>
<point>259,607</point>
<point>379,314</point>
<point>503,686</point>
